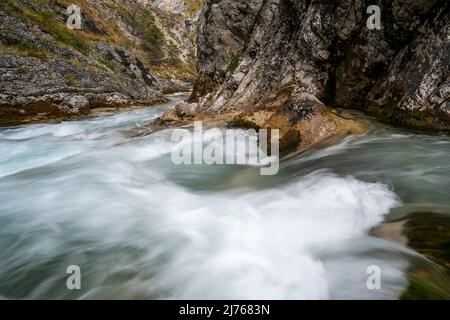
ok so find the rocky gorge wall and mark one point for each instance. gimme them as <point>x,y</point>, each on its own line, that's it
<point>295,58</point>
<point>126,52</point>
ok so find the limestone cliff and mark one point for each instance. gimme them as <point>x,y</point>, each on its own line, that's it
<point>294,57</point>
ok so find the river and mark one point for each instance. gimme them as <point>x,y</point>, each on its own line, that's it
<point>97,194</point>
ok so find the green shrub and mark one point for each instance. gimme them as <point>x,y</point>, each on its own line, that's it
<point>108,63</point>
<point>22,70</point>
<point>48,22</point>
<point>153,39</point>
<point>234,63</point>
<point>32,50</point>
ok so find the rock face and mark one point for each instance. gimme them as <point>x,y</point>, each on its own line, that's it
<point>127,52</point>
<point>293,57</point>
<point>187,8</point>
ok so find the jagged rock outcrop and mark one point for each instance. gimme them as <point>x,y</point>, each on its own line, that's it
<point>186,8</point>
<point>292,58</point>
<point>126,53</point>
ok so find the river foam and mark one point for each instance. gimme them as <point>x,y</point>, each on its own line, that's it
<point>262,245</point>
<point>114,209</point>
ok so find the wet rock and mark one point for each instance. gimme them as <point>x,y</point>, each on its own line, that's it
<point>186,110</point>
<point>429,234</point>
<point>169,117</point>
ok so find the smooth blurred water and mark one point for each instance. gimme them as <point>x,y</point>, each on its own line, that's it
<point>97,194</point>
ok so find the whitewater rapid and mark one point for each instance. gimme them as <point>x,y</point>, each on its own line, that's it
<point>93,193</point>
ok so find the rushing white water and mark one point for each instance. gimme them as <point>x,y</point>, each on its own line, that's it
<point>91,193</point>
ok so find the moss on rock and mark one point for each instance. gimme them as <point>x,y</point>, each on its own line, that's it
<point>429,234</point>
<point>242,123</point>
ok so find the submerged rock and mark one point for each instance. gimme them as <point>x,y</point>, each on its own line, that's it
<point>429,234</point>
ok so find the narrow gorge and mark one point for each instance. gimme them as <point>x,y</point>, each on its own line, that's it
<point>355,93</point>
<point>285,63</point>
